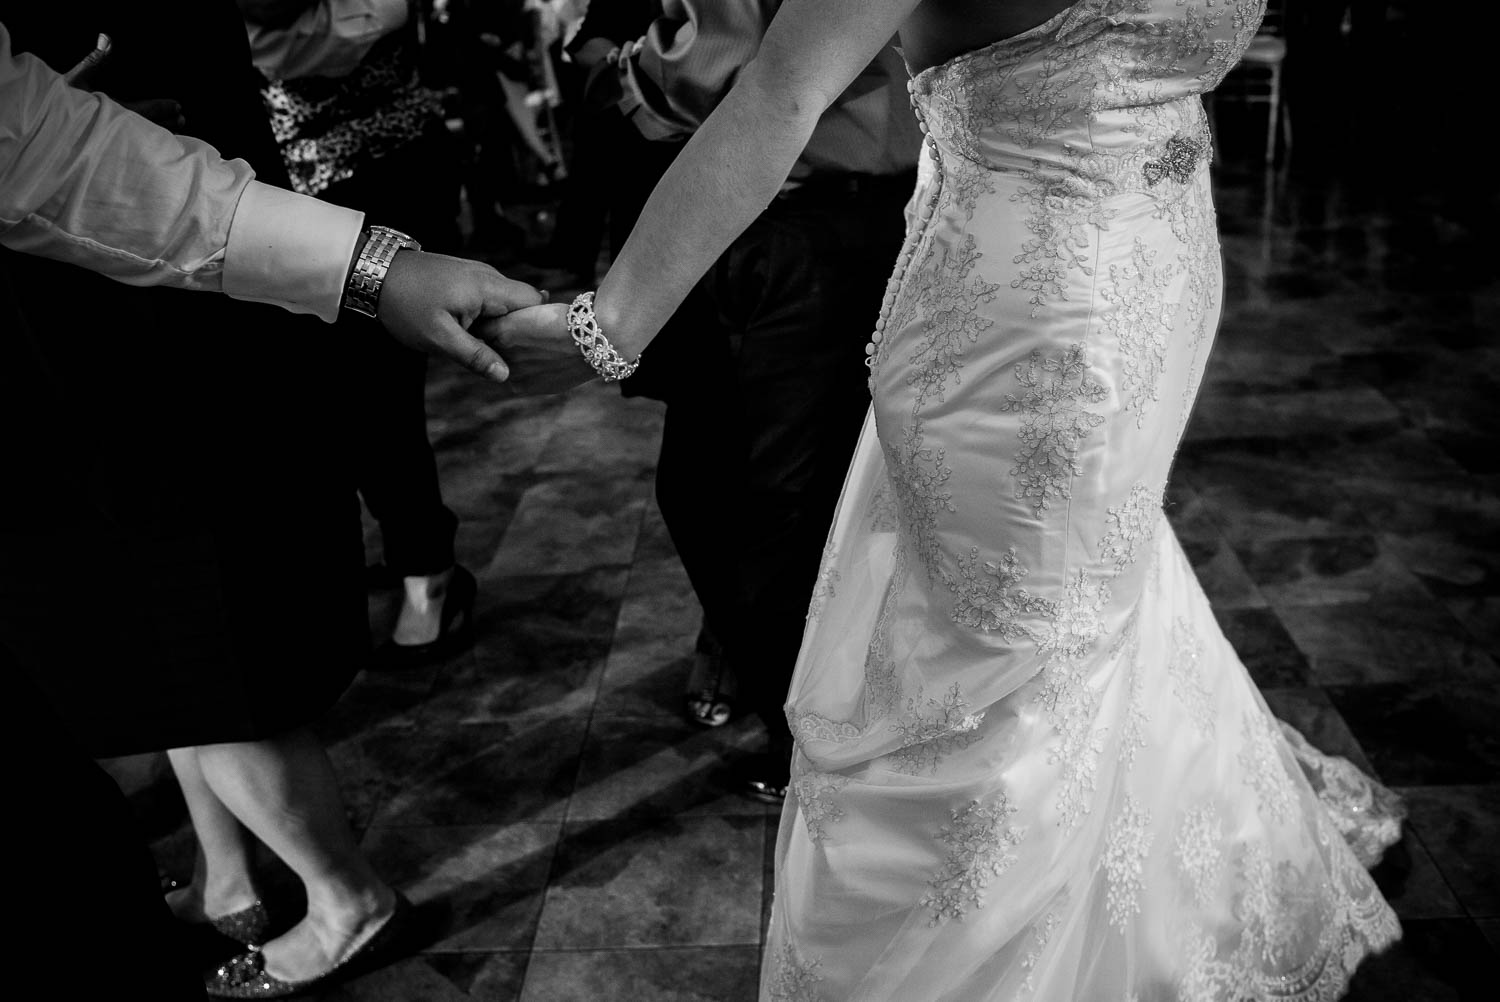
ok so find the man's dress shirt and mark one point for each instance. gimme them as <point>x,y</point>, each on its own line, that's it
<point>86,182</point>
<point>689,59</point>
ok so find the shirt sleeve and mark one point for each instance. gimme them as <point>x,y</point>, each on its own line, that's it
<point>688,60</point>
<point>86,182</point>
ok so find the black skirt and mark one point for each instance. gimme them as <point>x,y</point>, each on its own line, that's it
<point>180,551</point>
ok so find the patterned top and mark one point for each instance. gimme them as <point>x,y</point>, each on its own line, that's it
<point>328,127</point>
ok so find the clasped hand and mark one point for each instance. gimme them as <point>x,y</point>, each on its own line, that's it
<point>492,325</point>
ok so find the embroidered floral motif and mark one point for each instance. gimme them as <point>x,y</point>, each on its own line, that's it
<point>882,688</point>
<point>1054,423</point>
<point>884,513</point>
<point>828,578</point>
<point>1133,736</point>
<point>1132,526</point>
<point>1070,702</point>
<point>979,841</point>
<point>809,726</point>
<point>1185,670</point>
<point>1127,844</point>
<point>795,981</point>
<point>1264,771</point>
<point>948,299</point>
<point>1140,321</point>
<point>1041,935</point>
<point>817,796</point>
<point>1199,837</point>
<point>918,475</point>
<point>932,730</point>
<point>1063,220</point>
<point>989,596</point>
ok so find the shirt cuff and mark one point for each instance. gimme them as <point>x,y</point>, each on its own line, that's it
<point>290,250</point>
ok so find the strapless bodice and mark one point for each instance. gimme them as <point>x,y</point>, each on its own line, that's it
<point>1105,93</point>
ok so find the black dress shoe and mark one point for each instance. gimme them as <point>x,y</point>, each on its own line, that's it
<point>455,624</point>
<point>764,777</point>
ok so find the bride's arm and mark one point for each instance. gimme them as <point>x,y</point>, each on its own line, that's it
<point>734,165</point>
<point>725,175</point>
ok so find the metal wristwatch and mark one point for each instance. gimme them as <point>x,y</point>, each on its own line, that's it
<point>362,292</point>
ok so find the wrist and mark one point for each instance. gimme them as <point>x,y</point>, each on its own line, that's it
<point>611,313</point>
<point>375,250</point>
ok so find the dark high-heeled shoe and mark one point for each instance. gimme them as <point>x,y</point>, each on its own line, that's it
<point>245,976</point>
<point>711,686</point>
<point>455,622</point>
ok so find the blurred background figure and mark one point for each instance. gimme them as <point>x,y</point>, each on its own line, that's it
<point>357,126</point>
<point>761,367</point>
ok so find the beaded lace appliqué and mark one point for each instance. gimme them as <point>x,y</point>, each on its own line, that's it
<point>1185,669</point>
<point>989,596</point>
<point>979,840</point>
<point>1054,423</point>
<point>1071,703</point>
<point>1198,855</point>
<point>918,475</point>
<point>1127,845</point>
<point>1140,320</point>
<point>795,981</point>
<point>948,298</point>
<point>817,796</point>
<point>1264,771</point>
<point>1132,526</point>
<point>932,730</point>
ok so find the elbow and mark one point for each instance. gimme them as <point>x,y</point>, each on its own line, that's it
<point>783,91</point>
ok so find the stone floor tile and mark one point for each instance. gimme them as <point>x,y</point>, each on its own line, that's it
<point>1264,647</point>
<point>1221,575</point>
<point>409,980</point>
<point>483,977</point>
<point>571,523</point>
<point>671,974</point>
<point>481,885</point>
<point>1412,883</point>
<point>598,430</point>
<point>1386,640</point>
<point>1328,570</point>
<point>633,767</point>
<point>1310,711</point>
<point>1437,733</point>
<point>1436,960</point>
<point>1460,826</point>
<point>492,773</point>
<point>655,882</point>
<point>652,649</point>
<point>540,648</point>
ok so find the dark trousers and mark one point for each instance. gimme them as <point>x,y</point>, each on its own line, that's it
<point>766,388</point>
<point>412,190</point>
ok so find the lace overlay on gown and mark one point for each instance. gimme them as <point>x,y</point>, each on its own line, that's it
<point>1029,766</point>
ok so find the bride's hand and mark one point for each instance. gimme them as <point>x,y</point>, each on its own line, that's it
<point>536,344</point>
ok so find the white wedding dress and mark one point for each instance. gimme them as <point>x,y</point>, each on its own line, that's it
<point>1029,766</point>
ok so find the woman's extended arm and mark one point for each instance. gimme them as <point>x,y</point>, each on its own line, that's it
<point>725,176</point>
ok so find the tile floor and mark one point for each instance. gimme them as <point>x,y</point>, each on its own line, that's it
<point>572,837</point>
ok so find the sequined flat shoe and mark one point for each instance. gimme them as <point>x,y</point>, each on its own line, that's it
<point>250,926</point>
<point>245,976</point>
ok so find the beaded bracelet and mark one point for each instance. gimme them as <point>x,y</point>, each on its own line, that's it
<point>596,349</point>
